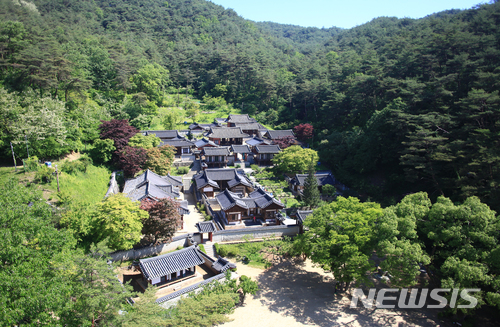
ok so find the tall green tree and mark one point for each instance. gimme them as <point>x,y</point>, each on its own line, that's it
<point>311,195</point>
<point>119,220</point>
<point>295,159</point>
<point>340,238</point>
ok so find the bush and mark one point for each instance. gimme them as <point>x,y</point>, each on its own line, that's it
<point>44,174</point>
<point>74,167</point>
<point>229,251</point>
<point>182,170</point>
<point>292,203</point>
<point>31,164</point>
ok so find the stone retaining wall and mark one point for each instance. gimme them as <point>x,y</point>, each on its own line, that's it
<point>255,232</point>
<point>150,251</point>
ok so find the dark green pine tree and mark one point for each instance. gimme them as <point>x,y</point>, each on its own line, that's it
<point>311,194</point>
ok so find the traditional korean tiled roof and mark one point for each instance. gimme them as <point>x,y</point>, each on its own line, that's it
<point>221,265</point>
<point>171,262</point>
<point>206,227</point>
<point>256,141</point>
<point>302,215</point>
<point>204,142</point>
<point>251,126</point>
<point>277,134</point>
<point>174,180</point>
<point>177,142</point>
<point>205,127</point>
<point>228,199</point>
<point>219,151</point>
<point>183,208</point>
<point>212,176</point>
<point>166,134</point>
<point>267,149</point>
<point>240,149</point>
<point>240,119</point>
<point>226,133</point>
<point>151,185</point>
<point>190,288</point>
<point>322,178</point>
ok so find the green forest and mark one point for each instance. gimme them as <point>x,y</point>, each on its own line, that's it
<point>398,105</point>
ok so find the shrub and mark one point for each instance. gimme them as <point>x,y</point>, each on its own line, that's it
<point>44,174</point>
<point>182,170</point>
<point>72,167</point>
<point>229,251</point>
<point>292,203</point>
<point>31,164</point>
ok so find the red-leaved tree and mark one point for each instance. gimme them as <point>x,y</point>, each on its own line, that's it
<point>131,160</point>
<point>119,131</point>
<point>284,142</point>
<point>164,219</point>
<point>304,132</point>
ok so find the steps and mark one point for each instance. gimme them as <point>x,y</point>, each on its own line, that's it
<point>210,250</point>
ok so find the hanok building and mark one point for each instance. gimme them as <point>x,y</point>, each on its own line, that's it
<point>200,144</point>
<point>251,128</point>
<point>227,135</point>
<point>241,152</point>
<point>181,144</point>
<point>210,181</point>
<point>297,182</point>
<point>280,134</point>
<point>259,205</point>
<point>215,157</point>
<point>232,120</point>
<point>165,269</point>
<point>301,216</point>
<point>163,135</point>
<point>264,154</point>
<point>253,142</point>
<point>206,227</point>
<point>154,187</point>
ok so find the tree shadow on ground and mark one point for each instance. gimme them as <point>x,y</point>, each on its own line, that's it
<point>309,297</point>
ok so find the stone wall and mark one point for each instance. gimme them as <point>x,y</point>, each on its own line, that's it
<point>113,186</point>
<point>255,232</point>
<point>150,251</point>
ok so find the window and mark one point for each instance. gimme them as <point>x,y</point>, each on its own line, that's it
<point>270,214</point>
<point>216,141</point>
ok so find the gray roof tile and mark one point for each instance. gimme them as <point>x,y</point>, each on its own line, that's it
<point>212,176</point>
<point>279,134</point>
<point>221,265</point>
<point>226,133</point>
<point>219,151</point>
<point>267,149</point>
<point>228,199</point>
<point>240,149</point>
<point>302,215</point>
<point>206,227</point>
<point>166,134</point>
<point>171,262</point>
<point>240,119</point>
<point>322,178</point>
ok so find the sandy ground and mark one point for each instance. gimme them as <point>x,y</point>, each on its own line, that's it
<point>193,217</point>
<point>299,294</point>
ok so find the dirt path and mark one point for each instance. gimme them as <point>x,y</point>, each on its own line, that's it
<point>302,295</point>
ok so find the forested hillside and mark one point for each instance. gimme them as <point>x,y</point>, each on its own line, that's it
<point>398,105</point>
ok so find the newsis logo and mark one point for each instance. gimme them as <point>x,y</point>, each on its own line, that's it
<point>392,299</point>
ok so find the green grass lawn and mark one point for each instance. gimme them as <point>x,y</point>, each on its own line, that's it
<point>89,187</point>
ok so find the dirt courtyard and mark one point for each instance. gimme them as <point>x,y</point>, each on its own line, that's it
<point>299,294</point>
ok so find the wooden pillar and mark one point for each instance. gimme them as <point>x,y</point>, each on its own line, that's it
<point>210,236</point>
